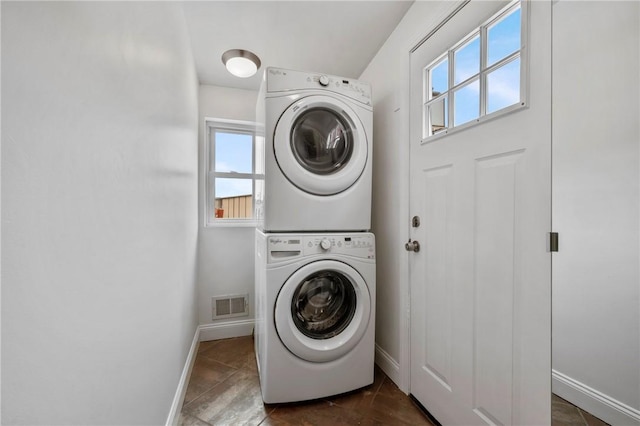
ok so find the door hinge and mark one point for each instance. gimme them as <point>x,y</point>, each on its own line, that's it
<point>553,242</point>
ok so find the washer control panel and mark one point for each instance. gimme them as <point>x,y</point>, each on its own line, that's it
<point>282,80</point>
<point>283,246</point>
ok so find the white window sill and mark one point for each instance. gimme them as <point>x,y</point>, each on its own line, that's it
<point>231,223</point>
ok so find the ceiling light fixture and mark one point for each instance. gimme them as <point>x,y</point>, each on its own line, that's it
<point>241,63</point>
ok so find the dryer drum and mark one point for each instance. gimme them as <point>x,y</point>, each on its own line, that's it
<point>321,141</point>
<point>323,305</point>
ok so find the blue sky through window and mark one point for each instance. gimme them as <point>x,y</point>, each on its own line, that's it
<point>503,37</point>
<point>233,154</point>
<point>467,60</point>
<point>233,187</point>
<point>502,84</point>
<point>440,77</point>
<point>466,103</point>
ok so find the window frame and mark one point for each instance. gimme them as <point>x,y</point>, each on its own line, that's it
<point>482,75</point>
<point>211,125</point>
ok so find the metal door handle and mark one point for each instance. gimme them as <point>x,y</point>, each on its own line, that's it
<point>413,246</point>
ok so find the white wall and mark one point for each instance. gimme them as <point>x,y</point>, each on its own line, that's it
<point>225,254</point>
<point>388,73</point>
<point>99,178</point>
<point>596,174</point>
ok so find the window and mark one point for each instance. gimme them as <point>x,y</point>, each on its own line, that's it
<point>231,172</point>
<point>480,76</point>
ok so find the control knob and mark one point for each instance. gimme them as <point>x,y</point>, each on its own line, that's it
<point>325,244</point>
<point>323,80</point>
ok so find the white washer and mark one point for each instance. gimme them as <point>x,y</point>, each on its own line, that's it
<point>315,153</point>
<point>315,314</point>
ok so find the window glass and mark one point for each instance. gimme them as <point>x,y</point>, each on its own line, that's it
<point>438,115</point>
<point>466,102</point>
<point>483,74</point>
<point>503,37</point>
<point>233,152</point>
<point>467,60</point>
<point>233,198</point>
<point>503,86</point>
<point>232,172</point>
<point>439,76</point>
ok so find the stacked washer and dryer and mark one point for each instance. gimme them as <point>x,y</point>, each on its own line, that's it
<point>315,257</point>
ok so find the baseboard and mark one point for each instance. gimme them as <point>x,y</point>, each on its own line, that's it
<point>226,330</point>
<point>600,405</point>
<point>176,405</point>
<point>389,365</point>
<point>203,333</point>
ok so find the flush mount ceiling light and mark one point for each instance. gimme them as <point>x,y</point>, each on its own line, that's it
<point>241,63</point>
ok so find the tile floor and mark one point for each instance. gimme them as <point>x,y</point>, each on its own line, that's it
<point>564,413</point>
<point>224,389</point>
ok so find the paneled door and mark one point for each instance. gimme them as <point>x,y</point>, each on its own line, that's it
<point>480,266</point>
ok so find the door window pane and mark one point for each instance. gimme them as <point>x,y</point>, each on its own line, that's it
<point>233,152</point>
<point>503,86</point>
<point>466,102</point>
<point>467,60</point>
<point>439,76</point>
<point>482,76</point>
<point>503,37</point>
<point>437,116</point>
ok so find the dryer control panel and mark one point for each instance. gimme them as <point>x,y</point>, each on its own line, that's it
<point>286,246</point>
<point>282,80</point>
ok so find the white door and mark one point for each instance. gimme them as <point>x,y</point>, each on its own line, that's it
<point>480,283</point>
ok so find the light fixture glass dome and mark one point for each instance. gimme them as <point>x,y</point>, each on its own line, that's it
<point>241,63</point>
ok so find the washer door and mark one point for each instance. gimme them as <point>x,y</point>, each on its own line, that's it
<point>322,311</point>
<point>320,145</point>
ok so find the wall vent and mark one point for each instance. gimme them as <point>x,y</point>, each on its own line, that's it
<point>230,306</point>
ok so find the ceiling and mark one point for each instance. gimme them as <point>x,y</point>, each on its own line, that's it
<point>331,37</point>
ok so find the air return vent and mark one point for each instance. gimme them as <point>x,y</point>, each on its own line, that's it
<point>230,306</point>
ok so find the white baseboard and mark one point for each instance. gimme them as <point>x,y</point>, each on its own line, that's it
<point>600,405</point>
<point>178,399</point>
<point>389,365</point>
<point>203,333</point>
<point>226,330</point>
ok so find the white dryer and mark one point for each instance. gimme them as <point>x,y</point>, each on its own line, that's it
<point>315,314</point>
<point>315,154</point>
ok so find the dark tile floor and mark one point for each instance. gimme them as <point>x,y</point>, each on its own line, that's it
<point>564,413</point>
<point>224,389</point>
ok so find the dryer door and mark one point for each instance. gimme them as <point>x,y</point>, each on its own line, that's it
<point>320,145</point>
<point>322,310</point>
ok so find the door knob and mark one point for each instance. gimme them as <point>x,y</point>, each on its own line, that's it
<point>413,246</point>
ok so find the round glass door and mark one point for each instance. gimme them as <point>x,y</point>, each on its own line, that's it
<point>323,304</point>
<point>321,141</point>
<point>322,310</point>
<point>320,145</point>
